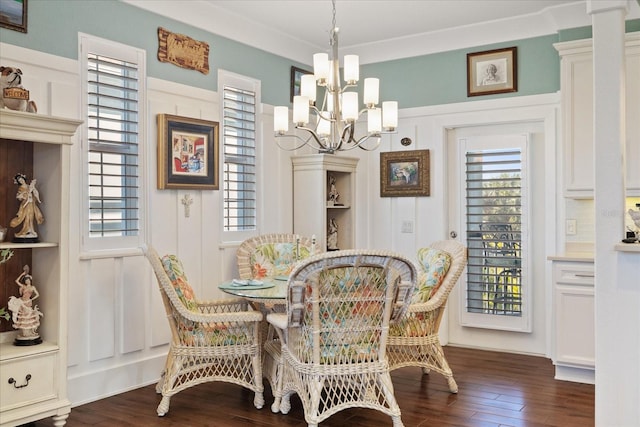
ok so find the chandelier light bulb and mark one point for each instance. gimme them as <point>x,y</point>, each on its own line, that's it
<point>308,87</point>
<point>389,115</point>
<point>350,106</point>
<point>371,92</point>
<point>351,69</point>
<point>300,110</point>
<point>324,126</point>
<point>281,119</point>
<point>374,121</point>
<point>321,68</point>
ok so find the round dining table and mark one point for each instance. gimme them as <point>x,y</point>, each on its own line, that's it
<point>264,293</point>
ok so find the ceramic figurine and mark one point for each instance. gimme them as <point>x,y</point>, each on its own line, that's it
<point>635,216</point>
<point>333,191</point>
<point>332,236</point>
<point>29,213</point>
<point>25,315</point>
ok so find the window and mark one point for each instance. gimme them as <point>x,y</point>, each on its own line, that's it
<point>493,213</point>
<point>494,203</point>
<point>113,82</point>
<point>239,136</point>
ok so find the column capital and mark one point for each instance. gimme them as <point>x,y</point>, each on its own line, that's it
<point>598,6</point>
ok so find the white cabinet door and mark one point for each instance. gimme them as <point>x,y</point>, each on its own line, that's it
<point>574,325</point>
<point>577,116</point>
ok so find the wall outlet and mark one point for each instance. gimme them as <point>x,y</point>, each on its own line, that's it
<point>571,227</point>
<point>407,227</point>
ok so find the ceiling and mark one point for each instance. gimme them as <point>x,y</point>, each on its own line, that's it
<point>376,30</point>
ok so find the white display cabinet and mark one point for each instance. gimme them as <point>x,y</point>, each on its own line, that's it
<point>33,379</point>
<point>312,209</point>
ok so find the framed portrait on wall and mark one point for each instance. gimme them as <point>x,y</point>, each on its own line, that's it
<point>187,153</point>
<point>492,71</point>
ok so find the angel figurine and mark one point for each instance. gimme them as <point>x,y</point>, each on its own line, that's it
<point>25,315</point>
<point>29,213</point>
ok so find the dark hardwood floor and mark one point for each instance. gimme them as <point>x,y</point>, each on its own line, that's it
<point>496,389</point>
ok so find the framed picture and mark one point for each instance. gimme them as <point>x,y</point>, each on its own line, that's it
<point>187,153</point>
<point>13,15</point>
<point>492,71</point>
<point>296,76</point>
<point>404,174</point>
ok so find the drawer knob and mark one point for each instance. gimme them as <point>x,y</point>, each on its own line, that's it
<point>14,382</point>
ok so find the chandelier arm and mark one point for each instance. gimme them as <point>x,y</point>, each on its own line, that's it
<point>313,134</point>
<point>303,142</point>
<point>347,86</point>
<point>361,141</point>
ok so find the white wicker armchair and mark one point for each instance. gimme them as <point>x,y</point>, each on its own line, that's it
<point>271,255</point>
<point>414,341</point>
<point>210,340</point>
<point>335,330</point>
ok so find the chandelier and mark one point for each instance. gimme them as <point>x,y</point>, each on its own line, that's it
<point>331,127</point>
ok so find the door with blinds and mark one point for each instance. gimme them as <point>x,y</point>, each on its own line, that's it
<point>492,211</point>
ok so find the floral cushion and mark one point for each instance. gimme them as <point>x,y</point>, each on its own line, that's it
<point>350,308</point>
<point>433,266</point>
<point>275,259</point>
<point>175,271</point>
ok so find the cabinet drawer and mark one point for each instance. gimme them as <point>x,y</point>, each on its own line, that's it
<point>27,380</point>
<point>573,273</point>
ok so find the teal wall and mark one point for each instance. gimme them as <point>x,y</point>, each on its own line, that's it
<point>53,27</point>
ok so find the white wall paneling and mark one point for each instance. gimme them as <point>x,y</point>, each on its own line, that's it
<point>101,285</point>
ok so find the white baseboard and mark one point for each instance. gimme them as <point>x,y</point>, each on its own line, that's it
<point>576,375</point>
<point>91,386</point>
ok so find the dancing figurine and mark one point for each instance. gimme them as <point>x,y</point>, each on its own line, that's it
<point>25,315</point>
<point>332,235</point>
<point>29,213</point>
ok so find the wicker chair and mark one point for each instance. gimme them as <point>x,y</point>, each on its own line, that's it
<point>271,255</point>
<point>414,341</point>
<point>211,341</point>
<point>334,332</point>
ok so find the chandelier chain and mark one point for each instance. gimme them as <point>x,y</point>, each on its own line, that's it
<point>333,22</point>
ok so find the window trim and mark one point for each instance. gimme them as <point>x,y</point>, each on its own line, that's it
<point>96,245</point>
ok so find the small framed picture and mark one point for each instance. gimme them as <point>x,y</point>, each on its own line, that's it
<point>404,174</point>
<point>492,71</point>
<point>13,15</point>
<point>187,153</point>
<point>296,76</point>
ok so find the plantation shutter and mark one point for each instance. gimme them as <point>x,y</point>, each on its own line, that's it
<point>239,167</point>
<point>113,146</point>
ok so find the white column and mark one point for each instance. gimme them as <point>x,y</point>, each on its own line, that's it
<point>617,302</point>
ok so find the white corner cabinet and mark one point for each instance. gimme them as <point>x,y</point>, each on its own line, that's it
<point>33,379</point>
<point>573,320</point>
<point>576,82</point>
<point>312,210</point>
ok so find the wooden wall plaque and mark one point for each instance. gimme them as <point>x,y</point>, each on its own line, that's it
<point>183,51</point>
